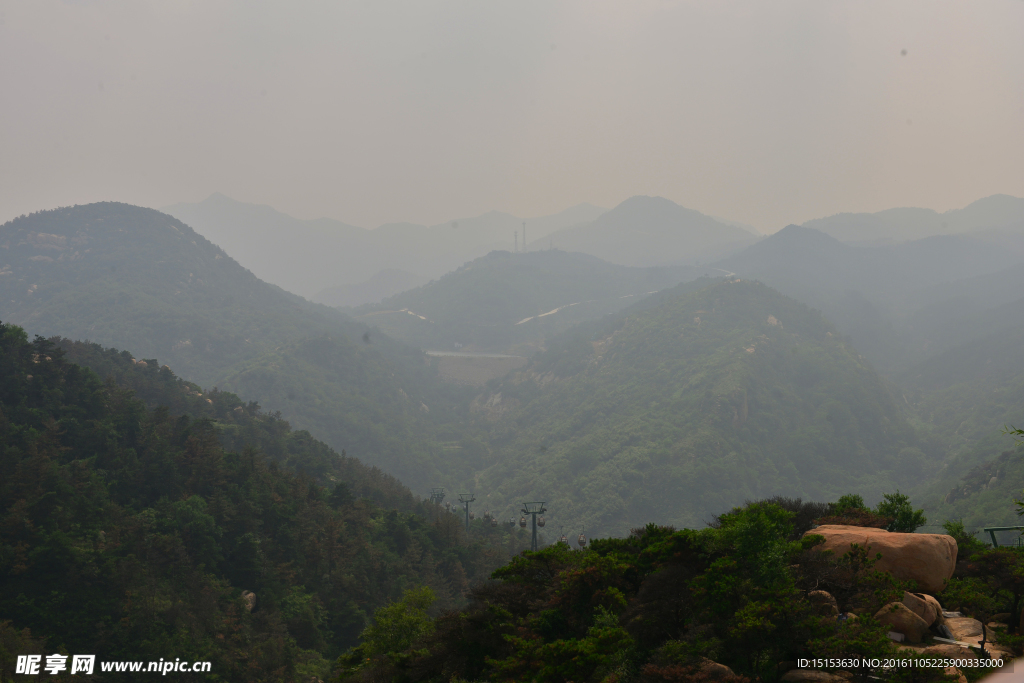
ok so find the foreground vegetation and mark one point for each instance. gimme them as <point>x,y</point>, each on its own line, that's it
<point>667,605</point>
<point>131,531</point>
<point>142,516</point>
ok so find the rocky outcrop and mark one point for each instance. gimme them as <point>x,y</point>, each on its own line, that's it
<point>924,606</point>
<point>964,628</point>
<point>713,671</point>
<point>250,600</point>
<point>823,603</point>
<point>900,619</point>
<point>956,673</point>
<point>969,630</point>
<point>928,559</point>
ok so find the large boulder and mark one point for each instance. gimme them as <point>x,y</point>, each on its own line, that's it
<point>713,671</point>
<point>964,628</point>
<point>823,603</point>
<point>928,559</point>
<point>899,618</point>
<point>922,606</point>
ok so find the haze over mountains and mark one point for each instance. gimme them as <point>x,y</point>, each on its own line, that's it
<point>899,303</point>
<point>339,264</point>
<point>425,271</point>
<point>926,312</point>
<point>653,231</point>
<point>891,226</point>
<point>510,303</point>
<point>137,279</point>
<point>310,256</point>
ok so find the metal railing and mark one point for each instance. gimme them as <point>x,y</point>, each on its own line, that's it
<point>993,529</point>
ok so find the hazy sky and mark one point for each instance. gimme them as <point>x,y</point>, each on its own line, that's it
<point>376,111</point>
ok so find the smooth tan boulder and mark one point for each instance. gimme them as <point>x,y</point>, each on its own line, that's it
<point>928,559</point>
<point>714,671</point>
<point>964,628</point>
<point>899,618</point>
<point>923,608</point>
<point>933,601</point>
<point>824,604</point>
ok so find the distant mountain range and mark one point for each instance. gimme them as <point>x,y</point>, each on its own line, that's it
<point>905,224</point>
<point>652,231</point>
<point>510,303</point>
<point>897,302</point>
<point>314,258</point>
<point>944,317</point>
<point>130,277</point>
<point>342,265</point>
<point>666,405</point>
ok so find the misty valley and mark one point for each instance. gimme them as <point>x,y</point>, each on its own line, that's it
<point>249,439</point>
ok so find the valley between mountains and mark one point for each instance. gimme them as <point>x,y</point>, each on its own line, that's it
<point>668,394</point>
<point>189,449</point>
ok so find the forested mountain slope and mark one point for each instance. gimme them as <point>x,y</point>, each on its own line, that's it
<point>135,278</point>
<point>375,289</point>
<point>983,496</point>
<point>131,532</point>
<point>503,299</point>
<point>896,302</point>
<point>132,277</point>
<point>699,398</point>
<point>967,395</point>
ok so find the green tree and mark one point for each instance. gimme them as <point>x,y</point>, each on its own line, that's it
<point>849,501</point>
<point>896,506</point>
<point>974,596</point>
<point>396,626</point>
<point>966,542</point>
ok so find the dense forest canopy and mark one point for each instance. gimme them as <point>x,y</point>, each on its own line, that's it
<point>131,530</point>
<point>130,277</point>
<point>696,399</point>
<point>753,591</point>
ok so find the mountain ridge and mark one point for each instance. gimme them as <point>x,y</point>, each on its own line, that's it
<point>653,231</point>
<point>132,277</point>
<point>906,223</point>
<point>309,256</point>
<point>501,300</point>
<point>698,398</point>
